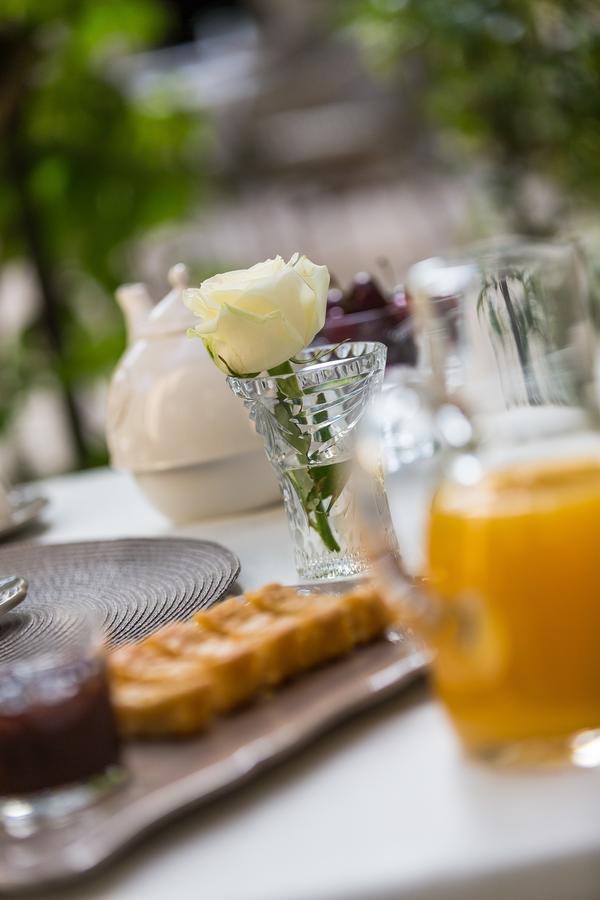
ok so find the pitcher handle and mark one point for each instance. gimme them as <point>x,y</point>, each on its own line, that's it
<point>406,438</point>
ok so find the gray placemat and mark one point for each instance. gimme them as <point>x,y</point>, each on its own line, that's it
<point>137,585</point>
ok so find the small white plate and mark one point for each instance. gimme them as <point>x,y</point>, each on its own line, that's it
<point>26,508</point>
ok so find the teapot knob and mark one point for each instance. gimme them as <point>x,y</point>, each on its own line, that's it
<point>179,276</point>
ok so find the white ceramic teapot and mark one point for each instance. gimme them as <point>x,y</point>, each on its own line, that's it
<point>173,422</point>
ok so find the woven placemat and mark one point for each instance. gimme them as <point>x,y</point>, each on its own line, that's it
<point>136,585</point>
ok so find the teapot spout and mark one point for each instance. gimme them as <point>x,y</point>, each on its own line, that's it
<point>136,304</point>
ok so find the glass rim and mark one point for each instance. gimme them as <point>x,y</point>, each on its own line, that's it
<point>454,273</point>
<point>372,350</point>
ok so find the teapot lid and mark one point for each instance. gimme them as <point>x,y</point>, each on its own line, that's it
<point>171,315</point>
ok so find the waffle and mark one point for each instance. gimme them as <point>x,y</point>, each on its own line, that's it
<point>176,680</point>
<point>181,656</point>
<point>235,667</point>
<point>276,635</point>
<point>154,709</point>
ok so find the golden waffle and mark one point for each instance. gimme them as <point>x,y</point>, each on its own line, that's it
<point>369,613</point>
<point>172,682</point>
<point>235,667</point>
<point>278,636</point>
<point>143,662</point>
<point>153,709</point>
<point>323,623</point>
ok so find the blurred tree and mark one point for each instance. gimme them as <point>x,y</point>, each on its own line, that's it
<point>514,80</point>
<point>84,168</point>
<point>192,14</point>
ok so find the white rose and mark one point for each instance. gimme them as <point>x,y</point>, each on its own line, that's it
<point>255,319</point>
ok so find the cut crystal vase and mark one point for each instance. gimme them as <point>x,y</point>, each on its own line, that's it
<point>307,416</point>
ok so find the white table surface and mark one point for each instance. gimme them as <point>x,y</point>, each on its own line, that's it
<point>384,807</point>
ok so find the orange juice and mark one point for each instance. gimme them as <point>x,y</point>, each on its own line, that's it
<point>515,563</point>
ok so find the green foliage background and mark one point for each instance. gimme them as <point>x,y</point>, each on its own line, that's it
<point>514,81</point>
<point>84,169</point>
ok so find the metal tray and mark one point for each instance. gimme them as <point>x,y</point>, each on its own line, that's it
<point>168,778</point>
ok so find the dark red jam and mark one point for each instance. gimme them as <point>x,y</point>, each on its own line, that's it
<point>56,727</point>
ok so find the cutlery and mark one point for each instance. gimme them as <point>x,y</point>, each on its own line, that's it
<point>13,590</point>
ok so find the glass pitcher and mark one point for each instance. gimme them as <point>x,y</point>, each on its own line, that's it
<point>492,465</point>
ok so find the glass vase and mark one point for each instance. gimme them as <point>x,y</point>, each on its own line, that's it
<point>307,415</point>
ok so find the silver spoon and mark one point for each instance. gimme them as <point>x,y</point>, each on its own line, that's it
<point>13,590</point>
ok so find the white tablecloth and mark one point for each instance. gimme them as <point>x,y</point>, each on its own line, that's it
<point>385,807</point>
